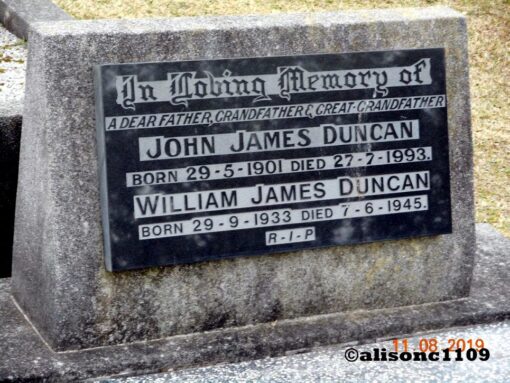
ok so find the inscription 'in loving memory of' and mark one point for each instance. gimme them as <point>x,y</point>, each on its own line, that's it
<point>202,159</point>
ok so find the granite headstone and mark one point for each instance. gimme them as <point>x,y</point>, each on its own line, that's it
<point>59,276</point>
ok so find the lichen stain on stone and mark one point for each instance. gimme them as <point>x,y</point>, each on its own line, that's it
<point>378,268</point>
<point>231,291</point>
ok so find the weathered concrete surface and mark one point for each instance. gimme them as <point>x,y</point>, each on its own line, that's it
<point>24,356</point>
<point>12,83</point>
<point>17,15</point>
<point>59,279</point>
<point>328,364</point>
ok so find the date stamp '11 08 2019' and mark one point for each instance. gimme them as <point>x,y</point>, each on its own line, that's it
<point>429,349</point>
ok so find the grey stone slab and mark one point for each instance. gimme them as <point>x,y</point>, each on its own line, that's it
<point>125,247</point>
<point>17,15</point>
<point>25,357</point>
<point>59,278</point>
<point>328,364</point>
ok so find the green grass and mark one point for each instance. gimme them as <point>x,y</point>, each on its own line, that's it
<point>489,48</point>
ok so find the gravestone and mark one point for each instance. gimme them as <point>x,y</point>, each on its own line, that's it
<point>244,170</point>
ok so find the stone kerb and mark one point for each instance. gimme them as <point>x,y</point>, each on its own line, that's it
<point>59,279</point>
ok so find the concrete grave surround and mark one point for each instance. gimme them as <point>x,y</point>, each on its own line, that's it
<point>59,279</point>
<point>25,357</point>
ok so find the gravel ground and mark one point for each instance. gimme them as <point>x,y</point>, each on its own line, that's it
<point>328,364</point>
<point>13,53</point>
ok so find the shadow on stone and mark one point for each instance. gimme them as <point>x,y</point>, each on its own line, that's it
<point>10,132</point>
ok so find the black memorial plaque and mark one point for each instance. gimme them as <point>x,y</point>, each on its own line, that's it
<point>211,159</point>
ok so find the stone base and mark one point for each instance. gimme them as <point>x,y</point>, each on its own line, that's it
<point>25,356</point>
<point>328,364</point>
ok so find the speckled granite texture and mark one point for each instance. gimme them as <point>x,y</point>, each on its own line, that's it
<point>24,356</point>
<point>58,275</point>
<point>328,364</point>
